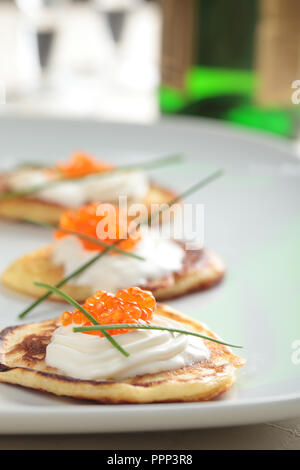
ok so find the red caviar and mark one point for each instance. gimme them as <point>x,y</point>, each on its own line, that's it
<point>82,164</point>
<point>132,305</point>
<point>85,220</point>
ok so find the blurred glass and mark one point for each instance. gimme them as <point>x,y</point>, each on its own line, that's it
<point>27,33</point>
<point>19,64</point>
<point>96,58</point>
<point>115,12</point>
<point>43,18</point>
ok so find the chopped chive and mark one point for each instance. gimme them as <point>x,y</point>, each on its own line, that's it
<point>160,162</point>
<point>85,312</point>
<point>157,163</point>
<point>85,237</point>
<point>189,191</point>
<point>129,326</point>
<point>63,282</point>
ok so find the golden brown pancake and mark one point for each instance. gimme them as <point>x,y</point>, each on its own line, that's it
<point>201,270</point>
<point>22,362</point>
<point>38,210</point>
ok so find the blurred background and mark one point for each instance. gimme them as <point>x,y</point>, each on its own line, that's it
<point>135,60</point>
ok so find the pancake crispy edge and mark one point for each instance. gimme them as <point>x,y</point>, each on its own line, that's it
<point>201,270</point>
<point>22,362</point>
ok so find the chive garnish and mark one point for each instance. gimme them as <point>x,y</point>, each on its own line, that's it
<point>189,191</point>
<point>130,326</point>
<point>85,312</point>
<point>62,282</point>
<point>119,326</point>
<point>85,237</point>
<point>160,162</point>
<point>204,182</point>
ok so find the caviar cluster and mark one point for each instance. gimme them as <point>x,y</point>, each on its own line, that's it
<point>115,225</point>
<point>82,164</point>
<point>132,305</point>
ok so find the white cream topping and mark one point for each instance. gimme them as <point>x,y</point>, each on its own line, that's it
<point>104,188</point>
<point>88,357</point>
<point>116,271</point>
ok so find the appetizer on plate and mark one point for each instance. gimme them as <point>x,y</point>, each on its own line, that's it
<point>119,348</point>
<point>42,194</point>
<point>113,260</point>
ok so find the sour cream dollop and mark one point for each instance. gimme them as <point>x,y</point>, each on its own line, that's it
<point>88,357</point>
<point>113,272</point>
<point>106,187</point>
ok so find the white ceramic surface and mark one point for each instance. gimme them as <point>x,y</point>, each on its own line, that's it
<point>251,219</point>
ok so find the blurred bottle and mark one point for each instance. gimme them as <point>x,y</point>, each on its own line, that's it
<point>221,59</point>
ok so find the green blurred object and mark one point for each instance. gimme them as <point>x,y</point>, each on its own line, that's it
<point>220,82</point>
<point>225,94</point>
<point>275,120</point>
<point>207,83</point>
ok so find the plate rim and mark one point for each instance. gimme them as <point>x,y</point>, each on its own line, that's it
<point>222,127</point>
<point>177,416</point>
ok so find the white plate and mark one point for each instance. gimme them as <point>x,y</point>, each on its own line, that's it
<point>251,219</point>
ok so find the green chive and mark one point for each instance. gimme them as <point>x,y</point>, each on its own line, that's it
<point>171,159</point>
<point>85,237</point>
<point>189,191</point>
<point>85,312</point>
<point>63,282</point>
<point>129,326</point>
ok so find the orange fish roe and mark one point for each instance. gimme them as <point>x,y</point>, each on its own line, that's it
<point>132,305</point>
<point>85,221</point>
<point>82,164</point>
